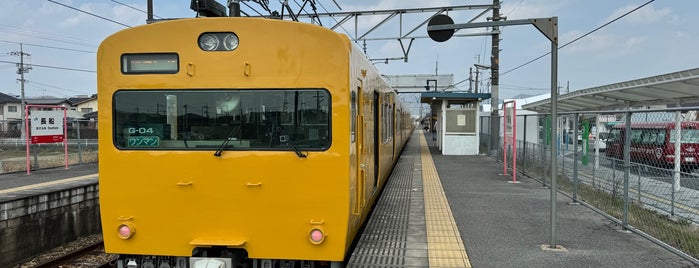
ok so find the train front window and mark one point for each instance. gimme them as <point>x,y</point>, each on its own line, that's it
<point>688,136</point>
<point>270,119</point>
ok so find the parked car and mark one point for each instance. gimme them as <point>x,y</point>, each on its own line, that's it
<point>603,137</point>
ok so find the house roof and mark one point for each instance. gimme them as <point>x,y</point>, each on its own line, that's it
<point>46,101</point>
<point>4,98</point>
<point>76,101</point>
<point>92,115</point>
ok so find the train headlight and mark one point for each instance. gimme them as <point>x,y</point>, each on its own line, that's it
<point>223,41</point>
<point>125,231</point>
<point>208,42</point>
<point>230,41</point>
<point>316,236</point>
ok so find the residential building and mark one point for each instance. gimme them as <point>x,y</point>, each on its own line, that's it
<point>10,113</point>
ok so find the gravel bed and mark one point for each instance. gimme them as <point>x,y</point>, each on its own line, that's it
<point>92,260</point>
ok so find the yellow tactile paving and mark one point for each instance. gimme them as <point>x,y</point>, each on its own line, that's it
<point>445,247</point>
<point>45,184</point>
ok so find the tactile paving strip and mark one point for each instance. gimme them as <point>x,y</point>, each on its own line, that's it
<point>395,233</point>
<point>445,247</point>
<point>412,224</point>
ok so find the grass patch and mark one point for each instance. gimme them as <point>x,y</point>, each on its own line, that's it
<point>679,233</point>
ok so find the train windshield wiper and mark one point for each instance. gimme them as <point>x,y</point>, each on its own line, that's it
<point>285,138</point>
<point>225,142</point>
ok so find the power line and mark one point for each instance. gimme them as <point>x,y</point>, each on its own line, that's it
<point>59,48</point>
<point>54,87</point>
<point>515,87</point>
<point>52,67</point>
<point>253,9</point>
<point>333,17</point>
<point>91,14</point>
<point>580,37</point>
<point>135,8</point>
<point>307,13</point>
<point>46,36</point>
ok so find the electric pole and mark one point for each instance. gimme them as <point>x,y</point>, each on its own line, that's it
<point>494,74</point>
<point>21,70</point>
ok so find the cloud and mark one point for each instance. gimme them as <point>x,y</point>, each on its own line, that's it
<point>643,16</point>
<point>531,9</point>
<point>603,44</point>
<point>682,35</point>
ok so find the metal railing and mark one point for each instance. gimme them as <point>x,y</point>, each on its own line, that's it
<point>624,168</point>
<point>82,147</point>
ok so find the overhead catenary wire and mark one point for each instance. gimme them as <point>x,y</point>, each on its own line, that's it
<point>579,37</point>
<point>135,8</point>
<point>332,17</point>
<point>91,14</point>
<point>253,9</point>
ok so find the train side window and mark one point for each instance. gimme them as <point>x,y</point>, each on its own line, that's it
<point>636,136</point>
<point>353,116</point>
<point>690,135</point>
<point>660,137</point>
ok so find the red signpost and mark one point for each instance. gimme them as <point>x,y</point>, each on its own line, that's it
<point>510,136</point>
<point>46,126</point>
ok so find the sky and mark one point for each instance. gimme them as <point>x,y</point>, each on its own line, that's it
<point>61,42</point>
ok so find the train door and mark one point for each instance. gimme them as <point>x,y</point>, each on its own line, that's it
<point>358,114</point>
<point>377,139</point>
<point>395,116</point>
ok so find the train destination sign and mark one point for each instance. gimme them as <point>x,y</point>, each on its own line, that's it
<point>150,63</point>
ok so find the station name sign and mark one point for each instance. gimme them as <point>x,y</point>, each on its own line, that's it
<point>47,126</point>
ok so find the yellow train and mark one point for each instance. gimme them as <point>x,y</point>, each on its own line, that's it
<point>240,142</point>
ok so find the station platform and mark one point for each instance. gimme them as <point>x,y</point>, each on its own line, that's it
<point>458,211</point>
<point>20,184</point>
<point>454,211</point>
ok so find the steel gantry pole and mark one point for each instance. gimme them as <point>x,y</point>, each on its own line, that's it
<point>549,28</point>
<point>554,118</point>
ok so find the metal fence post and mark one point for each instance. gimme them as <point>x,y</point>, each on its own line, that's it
<point>80,149</point>
<point>524,149</point>
<point>627,170</point>
<point>575,158</point>
<point>36,156</point>
<point>542,150</point>
<point>638,170</point>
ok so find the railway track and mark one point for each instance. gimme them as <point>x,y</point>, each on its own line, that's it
<point>90,255</point>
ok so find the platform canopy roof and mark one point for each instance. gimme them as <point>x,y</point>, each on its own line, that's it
<point>454,97</point>
<point>672,89</point>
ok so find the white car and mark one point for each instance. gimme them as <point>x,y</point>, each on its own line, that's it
<point>602,142</point>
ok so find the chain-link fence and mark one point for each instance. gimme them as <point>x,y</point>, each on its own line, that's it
<point>82,147</point>
<point>626,165</point>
